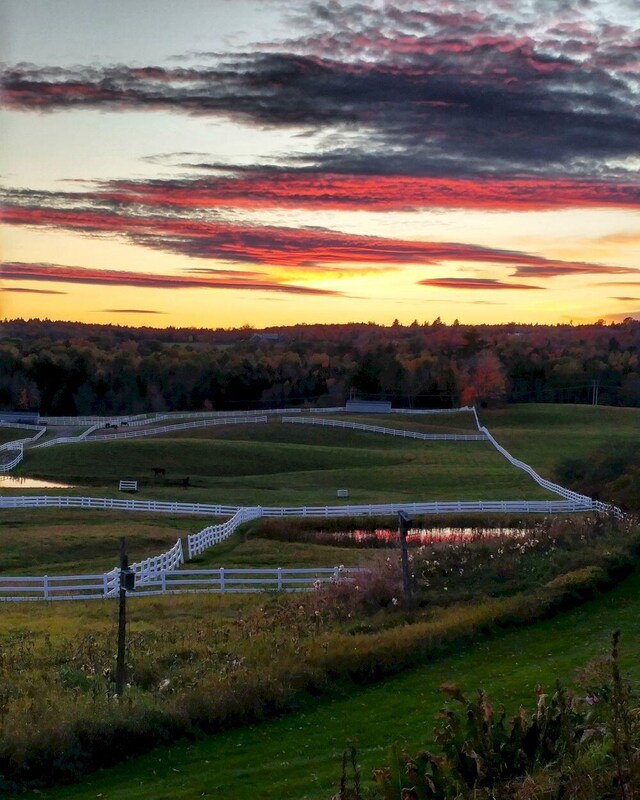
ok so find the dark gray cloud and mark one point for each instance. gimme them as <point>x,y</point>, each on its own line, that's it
<point>19,290</point>
<point>129,311</point>
<point>404,89</point>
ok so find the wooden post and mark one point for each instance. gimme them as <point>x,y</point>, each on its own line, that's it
<point>403,526</point>
<point>122,622</point>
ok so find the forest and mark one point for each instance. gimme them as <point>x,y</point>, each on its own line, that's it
<point>68,368</point>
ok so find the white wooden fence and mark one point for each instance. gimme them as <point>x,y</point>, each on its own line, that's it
<point>151,417</point>
<point>359,426</point>
<point>365,509</point>
<point>115,504</point>
<point>59,587</point>
<point>222,580</point>
<point>9,465</point>
<point>81,437</point>
<point>158,574</point>
<point>134,434</point>
<point>14,443</point>
<point>214,534</point>
<point>150,568</point>
<point>413,411</point>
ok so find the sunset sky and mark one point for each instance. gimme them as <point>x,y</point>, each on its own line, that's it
<point>219,163</point>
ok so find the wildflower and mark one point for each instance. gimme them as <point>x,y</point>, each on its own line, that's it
<point>591,699</point>
<point>394,601</point>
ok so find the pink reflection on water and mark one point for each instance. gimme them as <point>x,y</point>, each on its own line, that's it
<point>436,535</point>
<point>13,482</point>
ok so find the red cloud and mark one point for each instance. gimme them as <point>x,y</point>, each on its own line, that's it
<point>108,277</point>
<point>294,248</point>
<point>290,189</point>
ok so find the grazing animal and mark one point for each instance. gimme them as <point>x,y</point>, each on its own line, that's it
<point>124,423</point>
<point>185,483</point>
<point>159,471</point>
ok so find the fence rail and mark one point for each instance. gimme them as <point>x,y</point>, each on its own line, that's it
<point>148,569</point>
<point>9,465</point>
<point>93,420</point>
<point>82,437</point>
<point>199,542</point>
<point>58,587</point>
<point>150,417</point>
<point>150,431</point>
<point>13,445</point>
<point>222,580</point>
<point>116,504</point>
<point>367,509</point>
<point>359,426</point>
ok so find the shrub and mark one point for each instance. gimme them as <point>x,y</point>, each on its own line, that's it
<point>567,747</point>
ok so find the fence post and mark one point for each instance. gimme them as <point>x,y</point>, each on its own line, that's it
<point>163,580</point>
<point>222,587</point>
<point>279,578</point>
<point>105,584</point>
<point>45,586</point>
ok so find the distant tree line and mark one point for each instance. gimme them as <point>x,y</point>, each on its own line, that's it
<point>73,368</point>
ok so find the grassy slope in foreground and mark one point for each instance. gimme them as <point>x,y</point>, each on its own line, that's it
<point>298,755</point>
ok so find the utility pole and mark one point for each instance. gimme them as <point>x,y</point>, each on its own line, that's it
<point>403,526</point>
<point>126,579</point>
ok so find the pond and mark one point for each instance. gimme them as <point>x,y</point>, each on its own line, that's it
<point>13,482</point>
<point>431,535</point>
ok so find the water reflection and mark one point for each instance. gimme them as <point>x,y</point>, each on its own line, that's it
<point>13,482</point>
<point>431,535</point>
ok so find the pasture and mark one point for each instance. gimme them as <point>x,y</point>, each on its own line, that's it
<point>544,435</point>
<point>277,464</point>
<point>298,755</point>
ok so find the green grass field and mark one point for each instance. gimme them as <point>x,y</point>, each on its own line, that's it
<point>298,756</point>
<point>12,434</point>
<point>277,464</point>
<point>545,435</point>
<point>83,541</point>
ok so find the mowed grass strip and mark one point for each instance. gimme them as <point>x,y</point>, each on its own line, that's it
<point>193,456</point>
<point>239,472</point>
<point>454,422</point>
<point>246,552</point>
<point>298,756</point>
<point>306,435</point>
